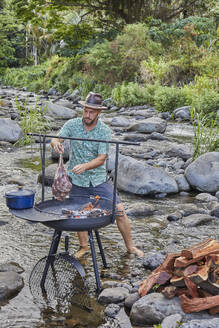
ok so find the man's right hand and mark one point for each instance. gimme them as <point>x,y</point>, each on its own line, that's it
<point>57,146</point>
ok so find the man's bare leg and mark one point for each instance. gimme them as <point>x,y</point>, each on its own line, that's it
<point>125,230</point>
<point>83,241</point>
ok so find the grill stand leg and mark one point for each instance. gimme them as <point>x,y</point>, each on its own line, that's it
<point>53,249</point>
<point>101,248</point>
<point>93,253</point>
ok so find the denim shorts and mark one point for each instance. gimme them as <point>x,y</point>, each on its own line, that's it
<point>104,190</point>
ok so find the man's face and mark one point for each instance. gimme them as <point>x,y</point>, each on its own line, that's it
<point>90,115</point>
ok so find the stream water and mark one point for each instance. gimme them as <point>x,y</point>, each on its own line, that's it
<point>26,243</point>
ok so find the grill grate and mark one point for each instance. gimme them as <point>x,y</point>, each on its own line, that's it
<point>64,284</point>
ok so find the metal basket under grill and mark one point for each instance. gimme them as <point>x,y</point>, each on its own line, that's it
<point>64,282</point>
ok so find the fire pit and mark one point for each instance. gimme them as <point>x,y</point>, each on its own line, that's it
<point>73,214</point>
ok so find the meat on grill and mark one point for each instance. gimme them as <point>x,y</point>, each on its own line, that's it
<point>61,184</point>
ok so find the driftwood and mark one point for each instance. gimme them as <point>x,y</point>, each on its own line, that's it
<point>192,275</point>
<point>205,248</point>
<point>198,304</point>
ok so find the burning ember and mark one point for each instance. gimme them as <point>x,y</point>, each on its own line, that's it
<point>192,275</point>
<point>88,210</point>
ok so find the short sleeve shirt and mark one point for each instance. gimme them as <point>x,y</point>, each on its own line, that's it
<point>85,151</point>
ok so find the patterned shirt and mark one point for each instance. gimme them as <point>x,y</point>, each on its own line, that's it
<point>84,151</point>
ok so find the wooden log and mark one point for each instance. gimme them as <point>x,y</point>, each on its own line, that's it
<point>204,248</point>
<point>182,262</point>
<point>198,304</point>
<point>202,273</point>
<point>154,278</point>
<point>210,287</point>
<point>177,281</point>
<point>192,287</point>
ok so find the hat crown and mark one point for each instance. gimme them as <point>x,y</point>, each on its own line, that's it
<point>93,99</point>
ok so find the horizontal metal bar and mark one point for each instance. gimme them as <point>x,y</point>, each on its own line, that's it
<point>84,139</point>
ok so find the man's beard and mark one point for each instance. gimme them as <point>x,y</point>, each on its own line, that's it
<point>88,121</point>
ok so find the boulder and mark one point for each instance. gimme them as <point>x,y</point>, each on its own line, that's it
<point>152,124</point>
<point>203,173</point>
<point>59,111</point>
<point>142,179</point>
<point>10,131</point>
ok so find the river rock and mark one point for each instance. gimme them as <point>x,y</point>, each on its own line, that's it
<point>195,220</point>
<point>205,197</point>
<point>131,299</point>
<point>10,283</point>
<point>172,321</point>
<point>203,173</point>
<point>59,111</point>
<point>209,323</point>
<point>182,113</point>
<point>182,183</point>
<point>153,308</point>
<point>143,179</point>
<point>153,124</point>
<point>139,209</point>
<point>153,259</point>
<point>178,150</point>
<point>113,295</point>
<point>120,121</point>
<point>10,131</point>
<point>215,211</point>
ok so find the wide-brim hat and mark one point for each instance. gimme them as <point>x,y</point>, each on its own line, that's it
<point>93,100</point>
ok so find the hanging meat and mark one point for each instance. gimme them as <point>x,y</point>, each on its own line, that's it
<point>61,184</point>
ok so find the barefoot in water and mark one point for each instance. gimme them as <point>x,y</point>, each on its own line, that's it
<point>81,252</point>
<point>136,251</point>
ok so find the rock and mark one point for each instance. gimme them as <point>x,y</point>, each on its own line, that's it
<point>153,308</point>
<point>10,131</point>
<point>10,283</point>
<point>215,211</point>
<point>59,111</point>
<point>152,260</point>
<point>209,323</point>
<point>203,173</point>
<point>112,310</point>
<point>131,299</point>
<point>182,183</point>
<point>123,320</point>
<point>153,124</point>
<point>205,197</point>
<point>11,266</point>
<point>195,220</point>
<point>172,321</point>
<point>189,209</point>
<point>139,209</point>
<point>182,113</point>
<point>142,179</point>
<point>178,150</point>
<point>113,295</point>
<point>174,216</point>
<point>120,121</point>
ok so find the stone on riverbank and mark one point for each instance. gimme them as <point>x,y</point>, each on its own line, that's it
<point>10,131</point>
<point>143,179</point>
<point>203,173</point>
<point>10,284</point>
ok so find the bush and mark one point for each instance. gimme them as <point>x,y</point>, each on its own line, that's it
<point>131,94</point>
<point>207,102</point>
<point>168,99</point>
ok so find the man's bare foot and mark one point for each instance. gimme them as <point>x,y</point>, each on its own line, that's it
<point>81,252</point>
<point>136,251</point>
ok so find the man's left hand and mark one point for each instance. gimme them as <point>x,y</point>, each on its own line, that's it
<point>80,168</point>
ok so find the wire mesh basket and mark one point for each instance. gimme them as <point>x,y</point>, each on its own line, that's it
<point>63,282</point>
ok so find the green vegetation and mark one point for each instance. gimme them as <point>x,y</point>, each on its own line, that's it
<point>206,134</point>
<point>33,121</point>
<point>134,52</point>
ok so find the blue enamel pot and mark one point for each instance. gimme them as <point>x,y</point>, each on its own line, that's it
<point>20,198</point>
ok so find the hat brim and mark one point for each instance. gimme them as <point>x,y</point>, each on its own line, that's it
<point>93,106</point>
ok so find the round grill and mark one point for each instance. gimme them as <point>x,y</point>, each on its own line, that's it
<point>64,283</point>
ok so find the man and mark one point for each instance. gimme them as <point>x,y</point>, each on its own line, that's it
<point>87,164</point>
